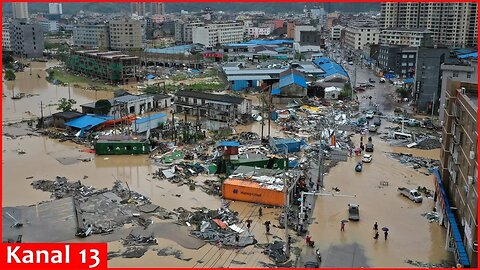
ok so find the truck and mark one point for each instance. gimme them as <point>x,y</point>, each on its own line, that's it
<point>412,194</point>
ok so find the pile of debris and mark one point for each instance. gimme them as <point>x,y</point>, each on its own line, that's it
<point>444,264</point>
<point>432,216</point>
<point>216,226</point>
<point>429,144</point>
<point>139,240</point>
<point>61,188</point>
<point>415,162</point>
<point>180,173</point>
<point>102,211</point>
<point>275,251</point>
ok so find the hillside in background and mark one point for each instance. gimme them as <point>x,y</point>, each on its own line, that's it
<point>70,8</point>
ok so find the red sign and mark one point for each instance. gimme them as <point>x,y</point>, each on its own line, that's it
<point>216,55</point>
<point>53,256</point>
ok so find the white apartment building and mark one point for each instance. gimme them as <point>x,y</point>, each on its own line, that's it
<point>302,28</point>
<point>407,37</point>
<point>336,32</point>
<point>452,24</point>
<point>91,36</point>
<point>218,33</point>
<point>55,8</point>
<point>255,32</point>
<point>20,10</point>
<point>127,34</point>
<point>6,45</point>
<point>356,37</point>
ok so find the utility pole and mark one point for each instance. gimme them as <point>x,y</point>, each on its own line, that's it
<point>354,79</point>
<point>269,110</point>
<point>433,102</point>
<point>69,92</point>
<point>173,126</point>
<point>285,217</point>
<point>263,112</point>
<point>41,114</point>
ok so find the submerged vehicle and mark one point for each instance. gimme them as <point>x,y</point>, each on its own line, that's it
<point>353,212</point>
<point>359,166</point>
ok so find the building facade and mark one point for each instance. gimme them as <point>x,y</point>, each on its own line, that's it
<point>356,37</point>
<point>428,81</point>
<point>55,8</point>
<point>407,37</point>
<point>111,66</point>
<point>452,24</point>
<point>215,34</point>
<point>127,34</point>
<point>397,59</point>
<point>459,165</point>
<point>255,32</point>
<point>20,10</point>
<point>336,32</point>
<point>49,26</point>
<point>125,105</point>
<point>138,8</point>
<point>26,39</point>
<point>184,31</point>
<point>158,8</point>
<point>462,71</point>
<point>302,28</point>
<point>222,108</point>
<point>91,36</point>
<point>6,45</point>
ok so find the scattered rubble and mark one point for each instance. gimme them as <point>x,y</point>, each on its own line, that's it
<point>429,144</point>
<point>102,211</point>
<point>138,240</point>
<point>443,264</point>
<point>169,251</point>
<point>415,162</point>
<point>275,251</point>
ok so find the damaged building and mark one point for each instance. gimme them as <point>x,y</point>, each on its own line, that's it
<point>221,108</point>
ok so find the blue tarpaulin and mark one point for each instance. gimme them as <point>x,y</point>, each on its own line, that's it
<point>150,76</point>
<point>88,122</point>
<point>276,91</point>
<point>228,143</point>
<point>409,80</point>
<point>389,76</point>
<point>457,237</point>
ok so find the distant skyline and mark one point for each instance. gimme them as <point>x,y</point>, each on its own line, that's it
<point>108,7</point>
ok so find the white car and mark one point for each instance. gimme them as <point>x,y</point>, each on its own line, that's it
<point>367,158</point>
<point>369,115</point>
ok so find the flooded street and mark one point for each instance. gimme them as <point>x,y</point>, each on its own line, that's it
<point>411,235</point>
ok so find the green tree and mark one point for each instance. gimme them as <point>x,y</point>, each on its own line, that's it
<point>346,91</point>
<point>66,105</point>
<point>225,58</point>
<point>402,92</point>
<point>7,59</point>
<point>9,75</point>
<point>102,106</point>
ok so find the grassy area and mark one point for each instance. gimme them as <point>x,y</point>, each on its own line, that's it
<point>66,77</point>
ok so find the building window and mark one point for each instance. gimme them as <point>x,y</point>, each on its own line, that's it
<point>469,75</point>
<point>455,74</point>
<point>404,56</point>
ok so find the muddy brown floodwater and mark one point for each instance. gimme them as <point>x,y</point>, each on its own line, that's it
<point>411,236</point>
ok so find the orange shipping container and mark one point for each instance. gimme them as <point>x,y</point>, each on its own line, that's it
<point>248,191</point>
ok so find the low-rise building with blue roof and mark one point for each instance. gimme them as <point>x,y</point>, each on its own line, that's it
<point>334,74</point>
<point>292,84</point>
<point>152,121</point>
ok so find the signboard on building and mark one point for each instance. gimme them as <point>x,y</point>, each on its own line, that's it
<point>418,86</point>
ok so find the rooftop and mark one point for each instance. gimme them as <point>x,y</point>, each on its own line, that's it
<point>212,97</point>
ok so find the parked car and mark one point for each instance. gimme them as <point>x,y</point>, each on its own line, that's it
<point>311,264</point>
<point>413,123</point>
<point>382,80</point>
<point>370,80</point>
<point>367,158</point>
<point>412,194</point>
<point>377,121</point>
<point>353,212</point>
<point>372,128</point>
<point>369,115</point>
<point>369,147</point>
<point>369,85</point>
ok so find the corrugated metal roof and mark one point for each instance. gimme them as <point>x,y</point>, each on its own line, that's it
<point>171,50</point>
<point>88,121</point>
<point>249,77</point>
<point>211,97</point>
<point>292,78</point>
<point>150,118</point>
<point>469,55</point>
<point>228,143</point>
<point>329,67</point>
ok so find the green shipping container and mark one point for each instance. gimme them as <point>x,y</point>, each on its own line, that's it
<point>121,147</point>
